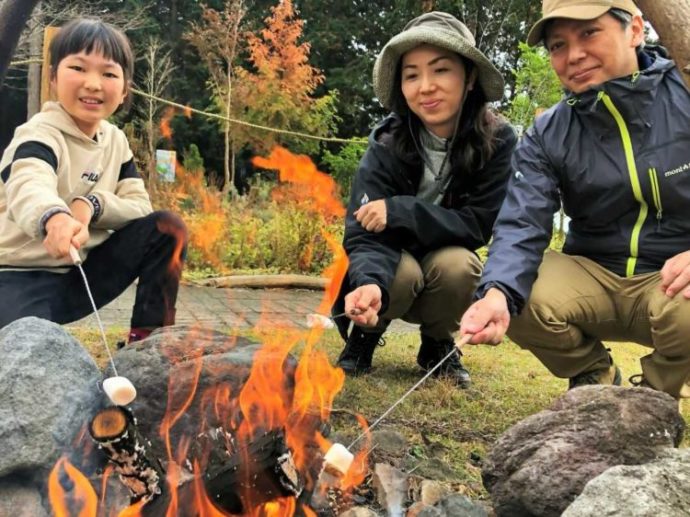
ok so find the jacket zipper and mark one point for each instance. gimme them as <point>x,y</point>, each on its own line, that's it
<point>656,195</point>
<point>634,181</point>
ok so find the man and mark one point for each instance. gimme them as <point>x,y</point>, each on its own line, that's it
<point>616,151</point>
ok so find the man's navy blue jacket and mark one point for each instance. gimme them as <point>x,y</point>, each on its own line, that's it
<point>618,155</point>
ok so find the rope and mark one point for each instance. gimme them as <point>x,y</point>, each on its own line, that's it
<point>189,109</point>
<point>31,61</point>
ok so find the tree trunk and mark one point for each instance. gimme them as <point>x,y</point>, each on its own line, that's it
<point>33,79</point>
<point>669,20</point>
<point>13,17</point>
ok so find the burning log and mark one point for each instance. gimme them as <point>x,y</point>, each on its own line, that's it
<point>262,471</point>
<point>235,478</point>
<point>114,431</point>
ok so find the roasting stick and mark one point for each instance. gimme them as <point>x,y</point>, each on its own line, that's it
<point>120,390</point>
<point>76,259</point>
<point>458,344</point>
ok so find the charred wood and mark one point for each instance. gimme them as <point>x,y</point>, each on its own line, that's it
<point>114,431</point>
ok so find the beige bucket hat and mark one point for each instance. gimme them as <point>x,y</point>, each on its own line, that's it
<point>445,31</point>
<point>575,10</point>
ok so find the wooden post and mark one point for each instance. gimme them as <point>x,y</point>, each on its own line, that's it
<point>48,36</point>
<point>669,20</point>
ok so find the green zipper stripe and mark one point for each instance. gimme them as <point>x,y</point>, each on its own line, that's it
<point>656,193</point>
<point>635,182</point>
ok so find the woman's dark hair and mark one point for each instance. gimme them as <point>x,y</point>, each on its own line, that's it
<point>474,140</point>
<point>88,35</point>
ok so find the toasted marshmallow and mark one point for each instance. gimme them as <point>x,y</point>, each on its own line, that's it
<point>120,390</point>
<point>319,321</point>
<point>338,459</point>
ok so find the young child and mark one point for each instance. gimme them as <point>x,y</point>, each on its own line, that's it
<point>68,179</point>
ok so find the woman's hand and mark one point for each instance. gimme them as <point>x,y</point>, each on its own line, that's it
<point>363,304</point>
<point>675,275</point>
<point>487,319</point>
<point>372,216</point>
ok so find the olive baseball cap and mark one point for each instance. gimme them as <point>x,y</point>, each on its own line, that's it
<point>576,10</point>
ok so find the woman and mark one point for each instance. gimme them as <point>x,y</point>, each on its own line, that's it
<point>426,194</point>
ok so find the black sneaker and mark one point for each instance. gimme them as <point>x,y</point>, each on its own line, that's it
<point>610,375</point>
<point>431,352</point>
<point>356,357</point>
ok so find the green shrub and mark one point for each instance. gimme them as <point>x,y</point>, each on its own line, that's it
<point>343,165</point>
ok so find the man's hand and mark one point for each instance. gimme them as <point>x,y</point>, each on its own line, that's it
<point>487,319</point>
<point>372,216</point>
<point>61,232</point>
<point>363,304</point>
<point>675,275</point>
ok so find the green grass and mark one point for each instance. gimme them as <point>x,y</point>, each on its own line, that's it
<point>440,421</point>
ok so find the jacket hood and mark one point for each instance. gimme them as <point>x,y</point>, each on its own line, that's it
<point>54,115</point>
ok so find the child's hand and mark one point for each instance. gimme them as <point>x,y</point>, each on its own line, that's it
<point>82,212</point>
<point>62,230</point>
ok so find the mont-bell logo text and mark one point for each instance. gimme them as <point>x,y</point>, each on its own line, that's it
<point>683,168</point>
<point>90,176</point>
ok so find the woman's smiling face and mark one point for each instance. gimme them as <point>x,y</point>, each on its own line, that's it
<point>433,82</point>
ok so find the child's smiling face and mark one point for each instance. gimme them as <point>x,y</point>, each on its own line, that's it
<point>90,88</point>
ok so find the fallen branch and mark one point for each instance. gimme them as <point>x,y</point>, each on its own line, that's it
<point>267,281</point>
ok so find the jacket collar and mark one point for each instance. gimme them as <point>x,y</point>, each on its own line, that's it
<point>632,94</point>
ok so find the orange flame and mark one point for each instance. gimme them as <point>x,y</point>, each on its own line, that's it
<point>276,395</point>
<point>83,491</point>
<point>315,187</point>
<point>165,128</point>
<point>207,216</point>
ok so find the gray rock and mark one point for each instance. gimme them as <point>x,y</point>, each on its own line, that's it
<point>176,363</point>
<point>359,511</point>
<point>48,387</point>
<point>651,490</point>
<point>391,488</point>
<point>388,441</point>
<point>540,465</point>
<point>454,506</point>
<point>20,500</point>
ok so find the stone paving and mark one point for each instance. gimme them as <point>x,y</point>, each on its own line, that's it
<point>237,308</point>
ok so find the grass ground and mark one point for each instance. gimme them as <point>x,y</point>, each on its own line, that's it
<point>439,421</point>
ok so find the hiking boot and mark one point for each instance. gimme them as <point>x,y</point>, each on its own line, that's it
<point>356,357</point>
<point>431,352</point>
<point>610,375</point>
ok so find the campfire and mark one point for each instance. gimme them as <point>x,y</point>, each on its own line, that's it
<point>257,447</point>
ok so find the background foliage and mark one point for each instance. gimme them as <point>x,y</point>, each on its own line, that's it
<point>297,65</point>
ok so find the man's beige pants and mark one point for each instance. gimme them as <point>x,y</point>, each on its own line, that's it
<point>433,292</point>
<point>576,304</point>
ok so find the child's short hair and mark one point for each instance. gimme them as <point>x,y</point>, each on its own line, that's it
<point>87,35</point>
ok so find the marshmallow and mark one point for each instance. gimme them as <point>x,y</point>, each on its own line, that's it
<point>338,459</point>
<point>319,321</point>
<point>120,390</point>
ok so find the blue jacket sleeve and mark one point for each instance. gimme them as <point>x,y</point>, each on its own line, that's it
<point>524,226</point>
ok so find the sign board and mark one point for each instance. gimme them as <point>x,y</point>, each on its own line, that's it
<point>165,165</point>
